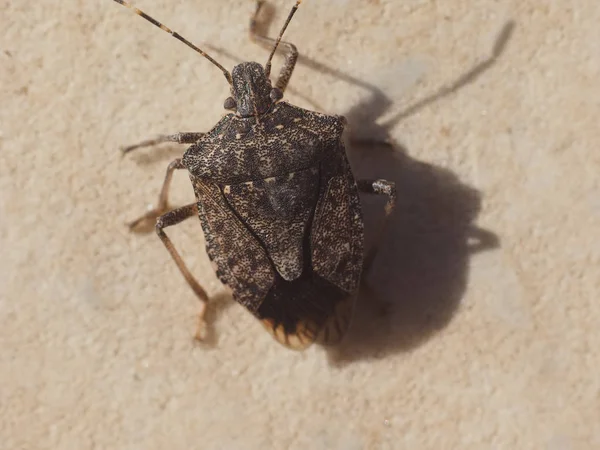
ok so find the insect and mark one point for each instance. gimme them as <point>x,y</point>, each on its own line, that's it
<point>277,201</point>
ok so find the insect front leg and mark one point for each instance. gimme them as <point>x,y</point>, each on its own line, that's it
<point>180,138</point>
<point>175,217</point>
<point>163,198</point>
<point>379,187</point>
<point>291,56</point>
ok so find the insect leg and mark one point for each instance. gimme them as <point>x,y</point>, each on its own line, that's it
<point>175,217</point>
<point>163,198</point>
<point>180,138</point>
<point>292,52</point>
<point>379,187</point>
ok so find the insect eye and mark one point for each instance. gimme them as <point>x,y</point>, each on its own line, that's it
<point>276,94</point>
<point>230,104</point>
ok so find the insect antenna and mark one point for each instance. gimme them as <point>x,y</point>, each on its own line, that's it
<point>177,36</point>
<point>291,14</point>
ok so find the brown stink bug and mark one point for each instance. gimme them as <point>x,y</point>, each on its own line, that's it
<point>277,201</point>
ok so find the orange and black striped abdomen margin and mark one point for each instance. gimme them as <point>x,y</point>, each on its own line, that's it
<point>308,309</point>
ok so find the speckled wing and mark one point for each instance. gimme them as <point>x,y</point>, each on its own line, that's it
<point>278,211</point>
<point>242,263</point>
<point>338,234</point>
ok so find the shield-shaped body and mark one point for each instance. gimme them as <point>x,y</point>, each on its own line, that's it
<point>280,211</point>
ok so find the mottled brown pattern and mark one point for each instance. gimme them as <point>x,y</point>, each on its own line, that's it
<point>288,187</point>
<point>242,262</point>
<point>241,149</point>
<point>250,77</point>
<point>337,236</point>
<point>277,210</point>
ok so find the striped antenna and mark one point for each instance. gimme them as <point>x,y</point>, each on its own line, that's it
<point>177,36</point>
<point>291,14</point>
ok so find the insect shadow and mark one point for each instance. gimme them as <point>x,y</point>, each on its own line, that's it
<point>416,283</point>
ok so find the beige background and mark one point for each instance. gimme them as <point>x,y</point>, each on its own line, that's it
<point>491,266</point>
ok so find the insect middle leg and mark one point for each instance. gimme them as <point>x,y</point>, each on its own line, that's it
<point>291,56</point>
<point>180,138</point>
<point>175,217</point>
<point>163,198</point>
<point>379,187</point>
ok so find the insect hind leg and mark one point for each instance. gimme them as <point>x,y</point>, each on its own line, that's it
<point>291,56</point>
<point>142,222</point>
<point>379,187</point>
<point>169,219</point>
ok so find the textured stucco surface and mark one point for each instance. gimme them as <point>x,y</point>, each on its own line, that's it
<point>491,266</point>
